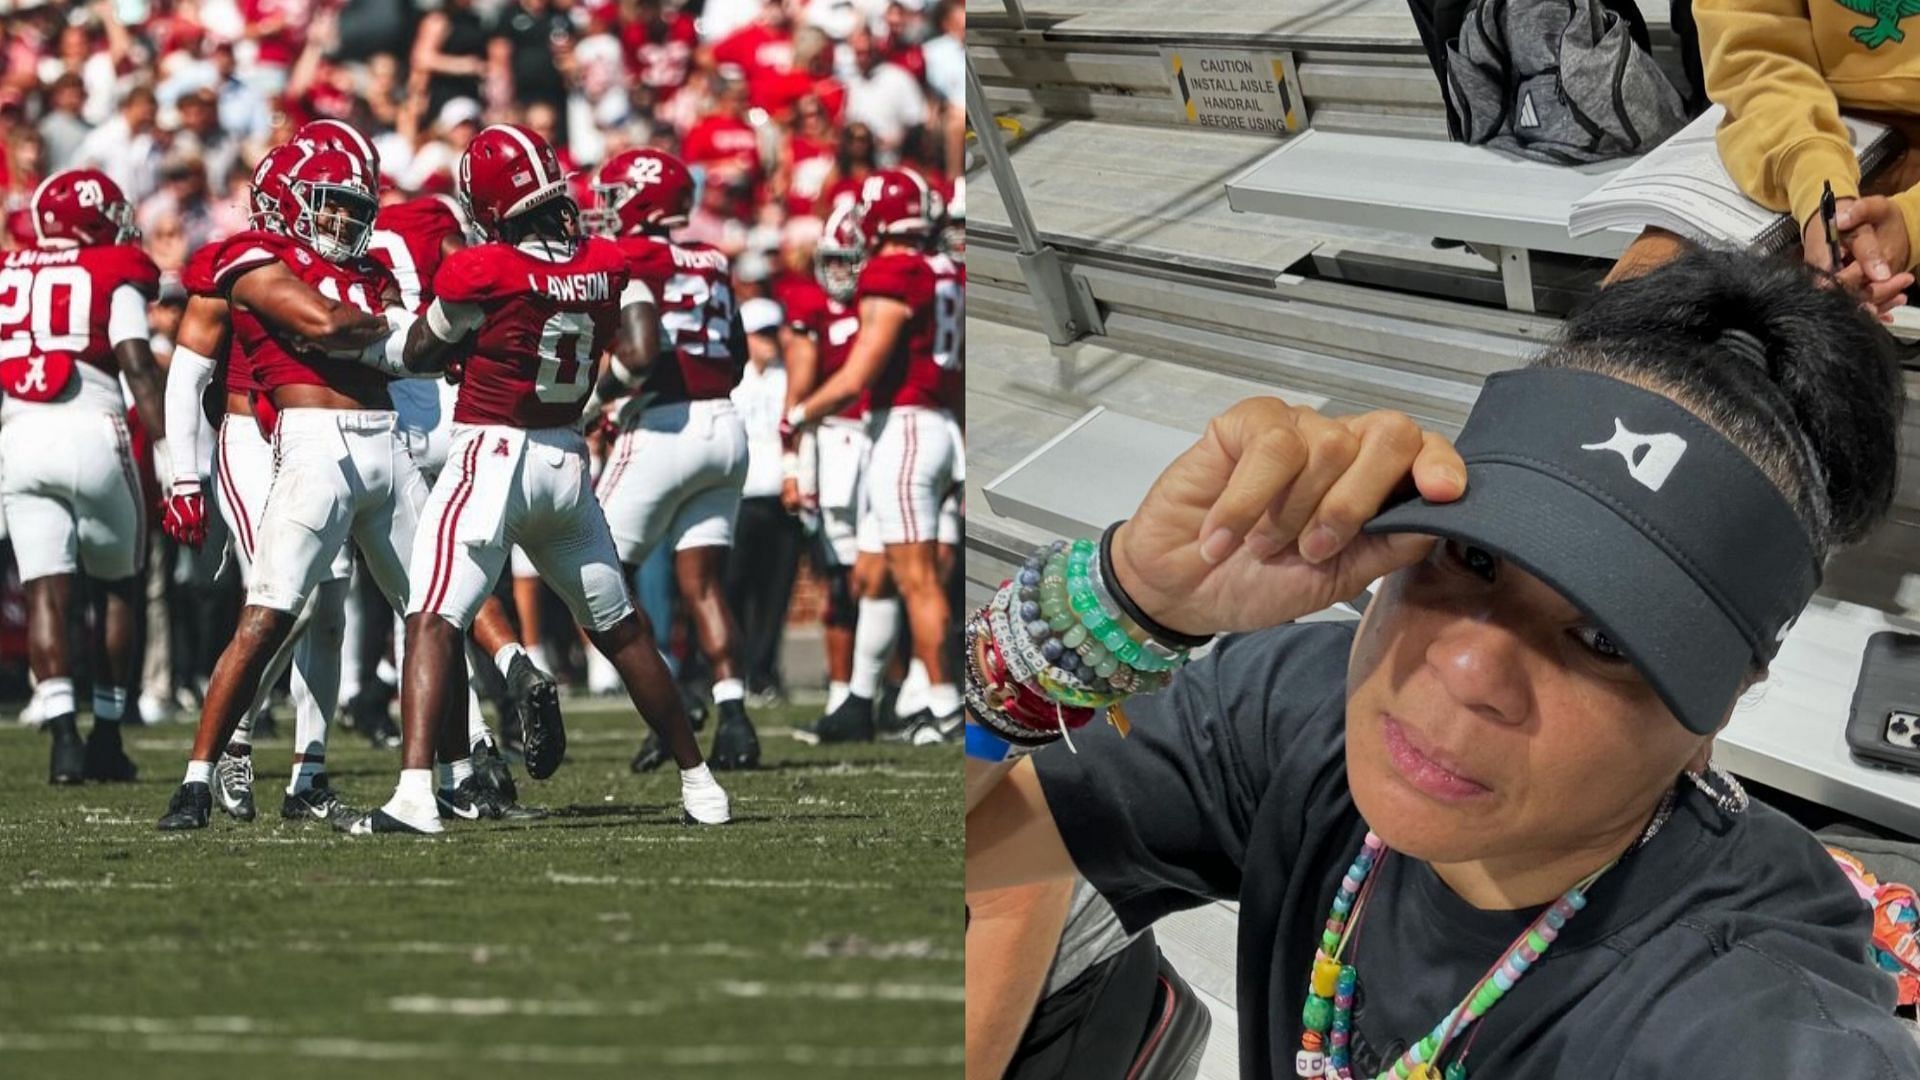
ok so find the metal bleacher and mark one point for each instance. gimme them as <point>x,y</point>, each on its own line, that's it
<point>1136,286</point>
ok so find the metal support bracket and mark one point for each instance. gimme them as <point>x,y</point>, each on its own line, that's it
<point>1064,302</point>
<point>1516,274</point>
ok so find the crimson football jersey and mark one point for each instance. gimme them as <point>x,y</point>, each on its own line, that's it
<point>833,326</point>
<point>926,365</point>
<point>55,303</point>
<point>547,323</point>
<point>362,284</point>
<point>407,240</point>
<point>197,279</point>
<point>692,285</point>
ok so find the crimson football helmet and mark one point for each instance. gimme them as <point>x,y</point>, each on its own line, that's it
<point>342,136</point>
<point>838,259</point>
<point>83,207</point>
<point>506,171</point>
<point>328,202</point>
<point>895,204</point>
<point>636,190</point>
<point>269,193</point>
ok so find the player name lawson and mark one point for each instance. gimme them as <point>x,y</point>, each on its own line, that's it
<point>1213,79</point>
<point>574,287</point>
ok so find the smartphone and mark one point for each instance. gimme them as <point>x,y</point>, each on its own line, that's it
<point>1884,729</point>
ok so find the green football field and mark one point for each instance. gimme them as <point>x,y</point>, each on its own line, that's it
<point>820,934</point>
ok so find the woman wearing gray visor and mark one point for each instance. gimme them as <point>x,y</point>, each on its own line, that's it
<point>1478,834</point>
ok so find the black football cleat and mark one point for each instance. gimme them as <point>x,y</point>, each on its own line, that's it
<point>474,798</point>
<point>850,723</point>
<point>925,729</point>
<point>233,783</point>
<point>735,744</point>
<point>318,802</point>
<point>190,808</point>
<point>650,757</point>
<point>379,821</point>
<point>491,767</point>
<point>107,759</point>
<point>67,763</point>
<point>542,732</point>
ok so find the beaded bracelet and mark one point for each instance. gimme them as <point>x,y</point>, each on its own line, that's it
<point>991,700</point>
<point>1068,609</point>
<point>979,690</point>
<point>1029,644</point>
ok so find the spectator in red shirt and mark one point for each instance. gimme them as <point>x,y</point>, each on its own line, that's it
<point>899,40</point>
<point>763,49</point>
<point>727,147</point>
<point>278,31</point>
<point>806,158</point>
<point>659,43</point>
<point>856,160</point>
<point>811,74</point>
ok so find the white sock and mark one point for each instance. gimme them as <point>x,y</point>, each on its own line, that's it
<point>461,770</point>
<point>416,787</point>
<point>943,699</point>
<point>729,690</point>
<point>304,773</point>
<point>56,697</point>
<point>109,704</point>
<point>873,637</point>
<point>477,730</point>
<point>836,693</point>
<point>242,736</point>
<point>504,658</point>
<point>538,654</point>
<point>913,691</point>
<point>199,772</point>
<point>698,776</point>
<point>602,676</point>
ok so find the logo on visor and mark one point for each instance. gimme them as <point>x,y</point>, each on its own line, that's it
<point>1650,458</point>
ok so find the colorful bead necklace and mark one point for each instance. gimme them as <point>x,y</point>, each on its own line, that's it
<point>1325,1044</point>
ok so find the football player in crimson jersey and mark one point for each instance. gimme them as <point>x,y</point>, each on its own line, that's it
<point>823,325</point>
<point>242,472</point>
<point>676,472</point>
<point>73,318</point>
<point>536,307</point>
<point>341,469</point>
<point>908,356</point>
<point>411,239</point>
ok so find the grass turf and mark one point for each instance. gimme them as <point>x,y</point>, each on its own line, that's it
<point>820,934</point>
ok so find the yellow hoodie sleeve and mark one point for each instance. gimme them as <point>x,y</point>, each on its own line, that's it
<point>1782,137</point>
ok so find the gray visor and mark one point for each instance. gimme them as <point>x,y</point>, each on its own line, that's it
<point>1642,516</point>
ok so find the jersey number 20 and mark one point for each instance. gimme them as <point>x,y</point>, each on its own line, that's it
<point>24,292</point>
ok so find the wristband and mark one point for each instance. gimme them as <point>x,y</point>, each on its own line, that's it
<point>984,745</point>
<point>797,415</point>
<point>1169,637</point>
<point>789,465</point>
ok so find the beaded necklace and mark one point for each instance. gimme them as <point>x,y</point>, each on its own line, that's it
<point>1328,1017</point>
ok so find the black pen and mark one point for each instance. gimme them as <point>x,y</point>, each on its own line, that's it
<point>1826,215</point>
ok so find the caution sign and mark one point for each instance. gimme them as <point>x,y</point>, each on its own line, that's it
<point>1236,90</point>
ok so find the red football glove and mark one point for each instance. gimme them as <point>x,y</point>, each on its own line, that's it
<point>186,520</point>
